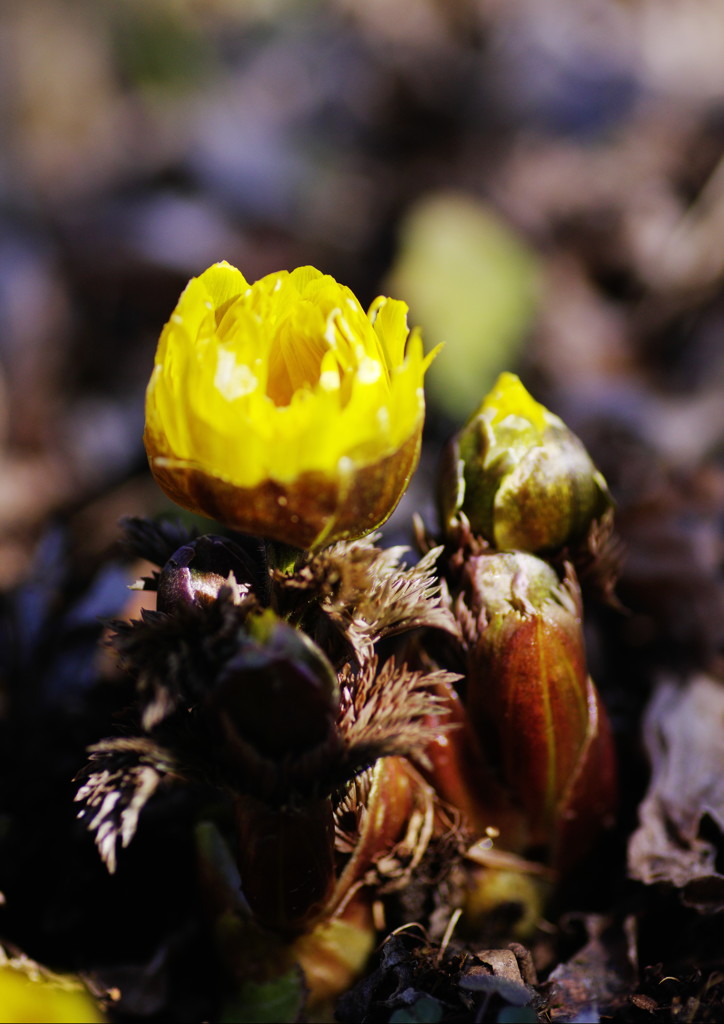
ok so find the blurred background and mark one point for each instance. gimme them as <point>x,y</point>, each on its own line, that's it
<point>542,183</point>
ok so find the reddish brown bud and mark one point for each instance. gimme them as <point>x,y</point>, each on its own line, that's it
<point>532,702</point>
<point>465,780</point>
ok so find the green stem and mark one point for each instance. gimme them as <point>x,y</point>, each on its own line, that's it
<point>282,556</point>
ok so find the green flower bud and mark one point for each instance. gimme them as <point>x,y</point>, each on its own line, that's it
<point>521,477</point>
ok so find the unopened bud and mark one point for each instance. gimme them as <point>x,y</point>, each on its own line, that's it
<point>522,478</point>
<point>533,703</point>
<point>196,572</point>
<point>279,695</point>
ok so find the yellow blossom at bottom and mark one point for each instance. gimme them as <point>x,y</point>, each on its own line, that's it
<point>29,997</point>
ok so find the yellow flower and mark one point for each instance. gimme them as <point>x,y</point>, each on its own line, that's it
<point>281,408</point>
<point>30,993</point>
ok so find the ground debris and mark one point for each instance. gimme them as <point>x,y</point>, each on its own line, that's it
<point>597,979</point>
<point>414,980</point>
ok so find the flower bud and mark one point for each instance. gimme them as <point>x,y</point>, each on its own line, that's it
<point>282,409</point>
<point>462,776</point>
<point>195,573</point>
<point>278,694</point>
<point>273,710</point>
<point>522,478</point>
<point>505,893</point>
<point>532,702</point>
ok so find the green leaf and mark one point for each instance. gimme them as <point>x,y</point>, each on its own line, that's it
<point>517,1015</point>
<point>471,283</point>
<point>279,1001</point>
<point>425,1011</point>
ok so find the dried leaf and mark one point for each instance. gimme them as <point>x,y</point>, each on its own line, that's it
<point>385,822</point>
<point>402,599</point>
<point>682,815</point>
<point>598,560</point>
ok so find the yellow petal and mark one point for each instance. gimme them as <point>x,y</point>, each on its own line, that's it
<point>285,386</point>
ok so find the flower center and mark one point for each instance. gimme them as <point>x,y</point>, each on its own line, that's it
<point>291,348</point>
<point>295,361</point>
<point>309,354</point>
